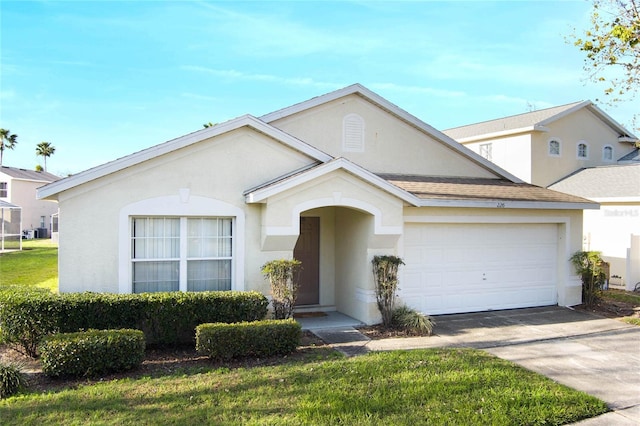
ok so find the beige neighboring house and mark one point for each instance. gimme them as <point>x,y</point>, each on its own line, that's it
<point>331,181</point>
<point>18,187</point>
<point>577,149</point>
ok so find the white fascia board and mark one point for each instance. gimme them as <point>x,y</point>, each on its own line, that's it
<point>616,200</point>
<point>510,132</point>
<point>261,195</point>
<point>506,204</point>
<point>627,139</point>
<point>178,143</point>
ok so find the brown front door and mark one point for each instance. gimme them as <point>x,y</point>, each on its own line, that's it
<point>307,251</point>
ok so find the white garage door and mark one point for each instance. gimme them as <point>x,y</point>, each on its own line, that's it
<point>453,268</point>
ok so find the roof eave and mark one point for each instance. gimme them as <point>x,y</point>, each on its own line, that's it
<point>50,190</point>
<point>509,204</point>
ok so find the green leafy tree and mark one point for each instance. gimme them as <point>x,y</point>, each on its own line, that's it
<point>45,150</point>
<point>590,266</point>
<point>385,275</point>
<point>7,141</point>
<point>612,47</point>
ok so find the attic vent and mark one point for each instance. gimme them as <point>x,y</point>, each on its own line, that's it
<point>353,133</point>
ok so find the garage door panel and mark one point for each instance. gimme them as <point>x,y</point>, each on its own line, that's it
<point>454,268</point>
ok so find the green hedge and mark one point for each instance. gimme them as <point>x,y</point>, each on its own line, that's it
<point>92,353</point>
<point>221,341</point>
<point>165,318</point>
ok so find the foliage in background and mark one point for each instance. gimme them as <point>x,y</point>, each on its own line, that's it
<point>406,318</point>
<point>12,380</point>
<point>8,140</point>
<point>92,353</point>
<point>612,47</point>
<point>283,276</point>
<point>590,266</point>
<point>45,150</point>
<point>385,275</point>
<point>248,339</point>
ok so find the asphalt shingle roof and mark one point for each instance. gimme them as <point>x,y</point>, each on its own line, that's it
<point>447,188</point>
<point>17,173</point>
<point>602,182</point>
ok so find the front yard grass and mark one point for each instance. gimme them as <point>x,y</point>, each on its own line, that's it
<point>35,266</point>
<point>432,386</point>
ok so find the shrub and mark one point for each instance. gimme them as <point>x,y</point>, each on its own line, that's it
<point>385,274</point>
<point>26,317</point>
<point>12,380</point>
<point>590,266</point>
<point>283,277</point>
<point>92,353</point>
<point>165,318</point>
<point>406,318</point>
<point>258,338</point>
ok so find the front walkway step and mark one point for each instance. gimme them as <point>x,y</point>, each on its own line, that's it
<point>346,340</point>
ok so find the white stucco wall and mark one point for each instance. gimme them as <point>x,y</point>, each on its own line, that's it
<point>220,169</point>
<point>387,141</point>
<point>512,153</point>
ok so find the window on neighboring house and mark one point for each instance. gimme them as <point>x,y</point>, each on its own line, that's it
<point>583,151</point>
<point>607,153</point>
<point>554,147</point>
<point>179,253</point>
<point>4,192</point>
<point>42,221</point>
<point>485,151</point>
<point>353,133</point>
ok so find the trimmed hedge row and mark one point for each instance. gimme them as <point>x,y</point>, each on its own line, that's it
<point>165,318</point>
<point>92,353</point>
<point>258,338</point>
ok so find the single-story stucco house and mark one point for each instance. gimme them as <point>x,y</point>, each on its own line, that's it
<point>332,181</point>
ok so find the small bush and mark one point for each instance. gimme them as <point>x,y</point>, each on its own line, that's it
<point>590,266</point>
<point>92,353</point>
<point>385,275</point>
<point>12,380</point>
<point>283,277</point>
<point>258,338</point>
<point>406,318</point>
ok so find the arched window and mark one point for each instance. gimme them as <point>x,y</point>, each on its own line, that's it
<point>607,153</point>
<point>583,150</point>
<point>353,133</point>
<point>554,147</point>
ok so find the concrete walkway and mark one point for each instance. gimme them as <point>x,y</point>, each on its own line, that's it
<point>586,352</point>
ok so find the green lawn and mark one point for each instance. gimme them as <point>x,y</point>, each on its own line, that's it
<point>434,386</point>
<point>35,266</point>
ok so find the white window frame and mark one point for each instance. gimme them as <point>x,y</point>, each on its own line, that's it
<point>586,150</point>
<point>485,151</point>
<point>551,154</point>
<point>183,257</point>
<point>182,205</point>
<point>604,151</point>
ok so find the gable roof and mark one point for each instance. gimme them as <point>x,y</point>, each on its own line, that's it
<point>261,193</point>
<point>379,101</point>
<point>532,121</point>
<point>604,182</point>
<point>178,143</point>
<point>24,174</point>
<point>459,192</point>
<point>633,156</point>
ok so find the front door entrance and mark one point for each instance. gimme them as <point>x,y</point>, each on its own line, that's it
<point>307,251</point>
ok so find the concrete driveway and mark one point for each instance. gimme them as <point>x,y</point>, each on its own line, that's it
<point>586,352</point>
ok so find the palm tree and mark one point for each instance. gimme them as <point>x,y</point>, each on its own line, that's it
<point>45,149</point>
<point>7,140</point>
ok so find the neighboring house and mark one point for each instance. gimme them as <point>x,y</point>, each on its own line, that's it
<point>331,181</point>
<point>544,147</point>
<point>615,228</point>
<point>18,187</point>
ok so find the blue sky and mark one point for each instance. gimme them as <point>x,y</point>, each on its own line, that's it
<point>101,80</point>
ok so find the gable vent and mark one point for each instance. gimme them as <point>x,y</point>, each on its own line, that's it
<point>353,133</point>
